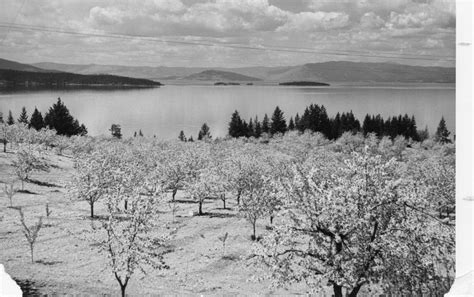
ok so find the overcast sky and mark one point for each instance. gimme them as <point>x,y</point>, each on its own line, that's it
<point>354,30</point>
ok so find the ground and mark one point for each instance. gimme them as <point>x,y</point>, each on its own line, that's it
<point>65,263</point>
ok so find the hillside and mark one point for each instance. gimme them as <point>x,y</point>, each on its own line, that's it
<point>7,64</point>
<point>15,78</point>
<point>218,75</point>
<point>366,72</point>
<point>340,71</point>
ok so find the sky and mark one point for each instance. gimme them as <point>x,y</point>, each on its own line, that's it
<point>228,33</point>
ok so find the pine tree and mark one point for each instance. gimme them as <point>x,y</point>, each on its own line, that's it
<point>10,119</point>
<point>1,118</point>
<point>265,124</point>
<point>23,116</point>
<point>135,134</point>
<point>297,122</point>
<point>291,125</point>
<point>191,139</point>
<point>181,136</point>
<point>278,122</point>
<point>36,120</point>
<point>235,125</point>
<point>204,132</point>
<point>140,133</point>
<point>59,119</point>
<point>258,128</point>
<point>442,133</point>
<point>250,129</point>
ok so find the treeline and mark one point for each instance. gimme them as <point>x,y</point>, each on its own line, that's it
<point>57,118</point>
<point>15,78</point>
<point>316,119</point>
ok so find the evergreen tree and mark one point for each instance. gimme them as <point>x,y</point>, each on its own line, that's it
<point>258,128</point>
<point>116,131</point>
<point>140,133</point>
<point>205,132</point>
<point>278,122</point>
<point>23,116</point>
<point>442,133</point>
<point>297,122</point>
<point>135,134</point>
<point>10,119</point>
<point>291,125</point>
<point>1,118</point>
<point>250,129</point>
<point>59,119</point>
<point>36,120</point>
<point>236,125</point>
<point>265,124</point>
<point>181,136</point>
<point>191,139</point>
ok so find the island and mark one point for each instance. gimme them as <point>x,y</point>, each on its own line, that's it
<point>220,83</point>
<point>27,79</point>
<point>304,83</point>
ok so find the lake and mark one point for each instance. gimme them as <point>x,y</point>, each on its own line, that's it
<point>167,110</point>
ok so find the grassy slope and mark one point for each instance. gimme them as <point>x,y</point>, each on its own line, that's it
<point>66,264</point>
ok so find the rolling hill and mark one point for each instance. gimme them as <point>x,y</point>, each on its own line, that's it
<point>7,64</point>
<point>219,75</point>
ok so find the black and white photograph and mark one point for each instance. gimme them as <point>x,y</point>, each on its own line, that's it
<point>236,148</point>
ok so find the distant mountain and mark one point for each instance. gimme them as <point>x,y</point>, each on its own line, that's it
<point>16,78</point>
<point>6,64</point>
<point>329,72</point>
<point>366,72</point>
<point>219,75</point>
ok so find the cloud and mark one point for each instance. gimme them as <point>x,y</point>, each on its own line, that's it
<point>201,18</point>
<point>315,21</point>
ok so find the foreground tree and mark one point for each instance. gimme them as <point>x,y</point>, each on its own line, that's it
<point>363,225</point>
<point>90,179</point>
<point>27,161</point>
<point>31,232</point>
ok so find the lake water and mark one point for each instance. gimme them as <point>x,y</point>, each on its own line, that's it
<point>167,110</point>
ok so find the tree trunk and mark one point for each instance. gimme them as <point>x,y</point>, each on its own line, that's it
<point>123,285</point>
<point>223,200</point>
<point>271,220</point>
<point>337,290</point>
<point>125,204</point>
<point>254,225</point>
<point>238,197</point>
<point>4,145</point>
<point>31,252</point>
<point>200,207</point>
<point>92,209</point>
<point>175,190</point>
<point>355,291</point>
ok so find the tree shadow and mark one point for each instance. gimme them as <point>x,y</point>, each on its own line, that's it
<point>27,192</point>
<point>49,263</point>
<point>220,215</point>
<point>42,183</point>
